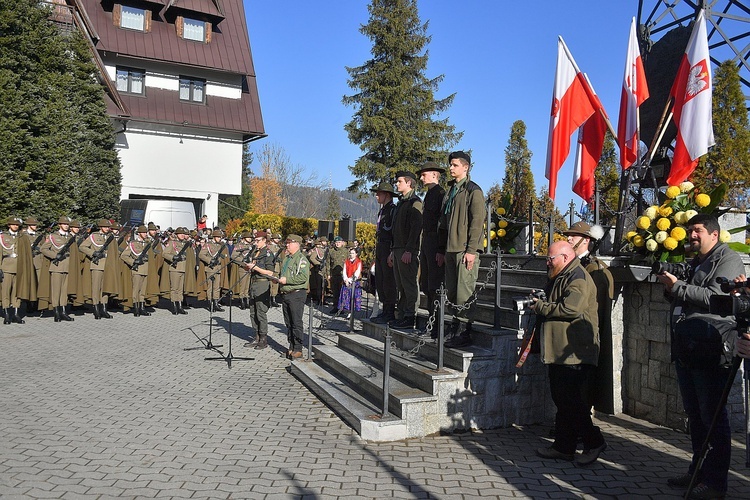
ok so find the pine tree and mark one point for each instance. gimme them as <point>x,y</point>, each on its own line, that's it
<point>544,208</point>
<point>729,160</point>
<point>57,151</point>
<point>333,210</point>
<point>395,121</point>
<point>518,183</point>
<point>608,181</point>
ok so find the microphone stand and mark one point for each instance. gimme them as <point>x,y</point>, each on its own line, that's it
<point>229,357</point>
<point>208,344</point>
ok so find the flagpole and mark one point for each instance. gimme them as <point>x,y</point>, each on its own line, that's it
<point>661,129</point>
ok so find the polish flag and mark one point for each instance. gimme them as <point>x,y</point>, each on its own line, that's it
<point>634,92</point>
<point>692,112</point>
<point>571,107</point>
<point>589,150</point>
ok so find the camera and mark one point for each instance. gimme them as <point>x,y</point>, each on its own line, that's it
<point>681,270</point>
<point>735,304</point>
<point>728,285</point>
<point>524,302</point>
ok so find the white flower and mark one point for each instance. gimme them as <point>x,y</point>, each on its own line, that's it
<point>690,214</point>
<point>724,236</point>
<point>651,245</point>
<point>686,186</point>
<point>661,236</point>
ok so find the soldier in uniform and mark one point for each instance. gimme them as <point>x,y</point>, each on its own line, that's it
<point>385,281</point>
<point>14,261</point>
<point>37,239</point>
<point>580,236</point>
<point>211,255</point>
<point>96,247</point>
<point>293,283</point>
<point>153,288</point>
<point>261,267</point>
<point>335,269</point>
<point>431,275</point>
<point>59,249</point>
<point>135,256</point>
<point>277,249</point>
<point>240,275</point>
<point>407,230</point>
<point>175,252</point>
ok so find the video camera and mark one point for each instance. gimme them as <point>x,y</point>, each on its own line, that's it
<point>681,270</point>
<point>736,304</point>
<point>524,302</point>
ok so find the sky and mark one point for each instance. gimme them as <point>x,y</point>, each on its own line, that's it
<point>497,56</point>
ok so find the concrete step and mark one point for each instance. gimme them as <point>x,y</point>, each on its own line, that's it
<point>411,369</point>
<point>363,416</point>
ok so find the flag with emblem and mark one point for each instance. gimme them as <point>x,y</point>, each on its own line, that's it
<point>692,112</point>
<point>634,92</point>
<point>572,105</point>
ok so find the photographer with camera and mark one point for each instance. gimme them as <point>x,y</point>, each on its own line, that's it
<point>570,349</point>
<point>702,348</point>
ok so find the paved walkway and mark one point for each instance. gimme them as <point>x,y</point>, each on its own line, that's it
<point>119,408</point>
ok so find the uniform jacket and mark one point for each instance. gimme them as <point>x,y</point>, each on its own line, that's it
<point>20,264</point>
<point>296,269</point>
<point>461,228</point>
<point>384,229</point>
<point>407,223</point>
<point>133,250</point>
<point>570,323</point>
<point>335,262</point>
<point>171,249</point>
<point>433,201</point>
<point>94,243</point>
<point>53,246</point>
<point>263,258</point>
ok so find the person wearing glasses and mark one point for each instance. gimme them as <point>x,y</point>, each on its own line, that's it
<point>261,267</point>
<point>293,281</point>
<point>570,349</point>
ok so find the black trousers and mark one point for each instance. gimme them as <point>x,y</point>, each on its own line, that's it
<point>293,307</point>
<point>570,387</point>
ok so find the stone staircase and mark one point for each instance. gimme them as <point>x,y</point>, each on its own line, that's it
<point>478,387</point>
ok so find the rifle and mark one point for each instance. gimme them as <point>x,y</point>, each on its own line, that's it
<point>99,254</point>
<point>143,257</point>
<point>35,246</point>
<point>215,260</point>
<point>64,250</point>
<point>180,256</point>
<point>123,233</point>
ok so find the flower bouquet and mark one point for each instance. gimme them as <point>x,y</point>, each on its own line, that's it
<point>504,230</point>
<point>660,232</point>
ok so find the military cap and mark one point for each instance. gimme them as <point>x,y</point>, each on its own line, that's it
<point>246,234</point>
<point>141,229</point>
<point>104,223</point>
<point>294,237</point>
<point>216,233</point>
<point>460,155</point>
<point>385,187</point>
<point>261,234</point>
<point>152,227</point>
<point>321,239</point>
<point>580,228</point>
<point>430,166</point>
<point>115,225</point>
<point>181,230</point>
<point>194,233</point>
<point>64,220</point>
<point>75,223</point>
<point>406,173</point>
<point>338,238</point>
<point>13,220</point>
<point>31,221</point>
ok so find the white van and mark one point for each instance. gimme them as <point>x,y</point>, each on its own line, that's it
<point>164,213</point>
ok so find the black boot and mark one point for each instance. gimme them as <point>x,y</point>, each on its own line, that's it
<point>405,322</point>
<point>180,308</point>
<point>185,304</point>
<point>243,306</point>
<point>8,316</point>
<point>175,308</point>
<point>144,312</point>
<point>463,339</point>
<point>57,314</point>
<point>262,342</point>
<point>103,311</point>
<point>64,314</point>
<point>136,309</point>
<point>97,315</point>
<point>389,314</point>
<point>16,317</point>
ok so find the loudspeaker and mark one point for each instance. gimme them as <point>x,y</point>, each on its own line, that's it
<point>348,229</point>
<point>325,228</point>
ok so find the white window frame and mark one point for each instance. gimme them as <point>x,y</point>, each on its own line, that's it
<point>128,13</point>
<point>193,29</point>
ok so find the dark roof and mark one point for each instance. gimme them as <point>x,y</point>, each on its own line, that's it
<point>210,7</point>
<point>228,51</point>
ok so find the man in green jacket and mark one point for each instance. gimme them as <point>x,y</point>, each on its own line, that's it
<point>293,282</point>
<point>570,349</point>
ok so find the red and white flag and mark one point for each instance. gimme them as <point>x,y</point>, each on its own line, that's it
<point>634,92</point>
<point>589,150</point>
<point>692,112</point>
<point>571,107</point>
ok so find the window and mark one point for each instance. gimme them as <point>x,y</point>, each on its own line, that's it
<point>194,30</point>
<point>132,18</point>
<point>192,90</point>
<point>130,80</point>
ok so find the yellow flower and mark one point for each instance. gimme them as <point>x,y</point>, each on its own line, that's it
<point>690,214</point>
<point>485,243</point>
<point>724,236</point>
<point>500,211</point>
<point>643,222</point>
<point>672,192</point>
<point>651,212</point>
<point>630,234</point>
<point>670,243</point>
<point>502,224</point>
<point>702,200</point>
<point>686,186</point>
<point>680,218</point>
<point>678,233</point>
<point>663,224</point>
<point>493,235</point>
<point>665,211</point>
<point>651,245</point>
<point>638,241</point>
<point>501,233</point>
<point>661,236</point>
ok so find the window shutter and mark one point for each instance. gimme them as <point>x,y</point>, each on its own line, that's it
<point>147,22</point>
<point>116,15</point>
<point>208,32</point>
<point>178,25</point>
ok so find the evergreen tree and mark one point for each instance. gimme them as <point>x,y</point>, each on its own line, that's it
<point>395,122</point>
<point>729,160</point>
<point>56,142</point>
<point>544,209</point>
<point>518,183</point>
<point>333,210</point>
<point>607,176</point>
